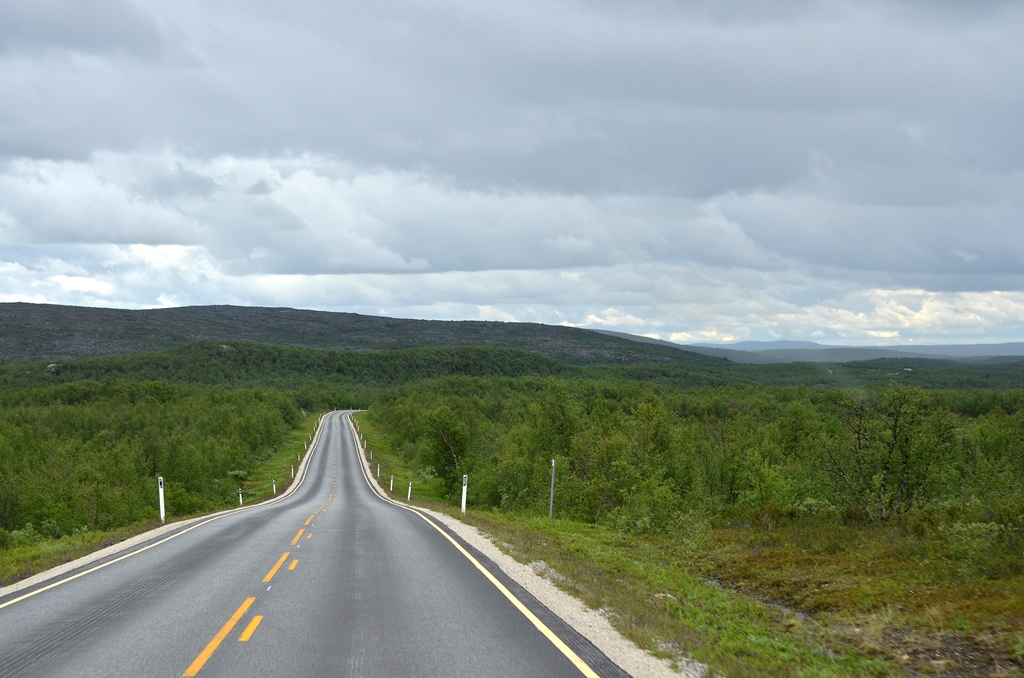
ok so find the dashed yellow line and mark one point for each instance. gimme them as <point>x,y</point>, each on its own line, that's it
<point>291,565</point>
<point>298,536</point>
<point>250,629</point>
<point>276,567</point>
<point>211,647</point>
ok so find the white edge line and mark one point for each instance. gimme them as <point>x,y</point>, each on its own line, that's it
<point>560,644</point>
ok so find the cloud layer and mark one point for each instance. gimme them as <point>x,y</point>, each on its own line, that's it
<point>847,172</point>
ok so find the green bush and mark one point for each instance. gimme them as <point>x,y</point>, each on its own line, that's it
<point>653,506</point>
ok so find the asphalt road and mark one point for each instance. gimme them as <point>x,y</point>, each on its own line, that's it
<point>331,581</point>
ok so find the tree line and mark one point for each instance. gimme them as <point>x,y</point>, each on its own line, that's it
<point>655,459</point>
<point>85,455</point>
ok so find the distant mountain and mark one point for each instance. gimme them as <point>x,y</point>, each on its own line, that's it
<point>765,352</point>
<point>939,350</point>
<point>51,332</point>
<point>767,345</point>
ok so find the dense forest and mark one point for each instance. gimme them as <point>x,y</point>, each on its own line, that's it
<point>85,455</point>
<point>638,446</point>
<point>648,460</point>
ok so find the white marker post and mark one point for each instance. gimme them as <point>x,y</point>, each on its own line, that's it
<point>378,470</point>
<point>409,496</point>
<point>275,487</point>
<point>239,496</point>
<point>465,481</point>
<point>293,471</point>
<point>392,488</point>
<point>551,501</point>
<point>160,492</point>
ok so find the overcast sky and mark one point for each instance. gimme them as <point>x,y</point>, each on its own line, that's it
<point>842,172</point>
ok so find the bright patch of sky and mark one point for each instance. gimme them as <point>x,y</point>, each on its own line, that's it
<point>844,172</point>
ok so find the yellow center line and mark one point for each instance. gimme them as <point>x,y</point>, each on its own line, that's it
<point>250,629</point>
<point>309,519</point>
<point>276,567</point>
<point>298,536</point>
<point>309,536</point>
<point>291,565</point>
<point>211,647</point>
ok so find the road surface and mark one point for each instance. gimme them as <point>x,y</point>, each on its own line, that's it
<point>330,581</point>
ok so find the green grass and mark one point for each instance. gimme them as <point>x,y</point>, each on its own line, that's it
<point>425,489</point>
<point>259,486</point>
<point>21,562</point>
<point>654,597</point>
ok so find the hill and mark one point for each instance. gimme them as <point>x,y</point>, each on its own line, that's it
<point>33,332</point>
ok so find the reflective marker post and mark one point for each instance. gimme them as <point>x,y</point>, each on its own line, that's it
<point>239,496</point>
<point>465,481</point>
<point>551,502</point>
<point>409,496</point>
<point>160,492</point>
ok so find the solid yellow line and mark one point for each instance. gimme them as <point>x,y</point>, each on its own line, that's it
<point>250,629</point>
<point>275,568</point>
<point>211,647</point>
<point>298,536</point>
<point>540,626</point>
<point>291,565</point>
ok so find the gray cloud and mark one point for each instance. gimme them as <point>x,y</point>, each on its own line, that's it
<point>685,169</point>
<point>84,26</point>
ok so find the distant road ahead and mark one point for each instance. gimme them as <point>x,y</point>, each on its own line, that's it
<point>332,581</point>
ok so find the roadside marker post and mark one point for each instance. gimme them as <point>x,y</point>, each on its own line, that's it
<point>293,471</point>
<point>392,488</point>
<point>275,487</point>
<point>409,496</point>
<point>160,492</point>
<point>378,470</point>
<point>551,501</point>
<point>239,496</point>
<point>465,481</point>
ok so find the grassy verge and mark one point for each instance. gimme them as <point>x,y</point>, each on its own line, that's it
<point>21,562</point>
<point>427,491</point>
<point>881,592</point>
<point>276,472</point>
<point>802,600</point>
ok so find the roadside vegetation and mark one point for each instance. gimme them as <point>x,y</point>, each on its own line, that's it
<point>845,519</point>
<point>766,531</point>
